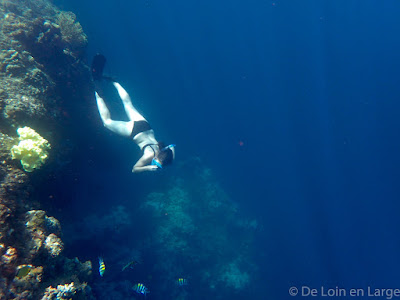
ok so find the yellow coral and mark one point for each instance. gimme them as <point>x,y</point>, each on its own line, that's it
<point>32,149</point>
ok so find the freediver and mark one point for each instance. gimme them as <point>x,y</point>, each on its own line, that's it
<point>155,155</point>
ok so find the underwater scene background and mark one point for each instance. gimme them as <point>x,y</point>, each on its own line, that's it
<point>286,119</point>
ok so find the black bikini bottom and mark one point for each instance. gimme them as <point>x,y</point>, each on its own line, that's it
<point>138,127</point>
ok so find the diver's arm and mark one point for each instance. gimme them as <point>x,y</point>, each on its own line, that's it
<point>144,169</point>
<point>143,164</point>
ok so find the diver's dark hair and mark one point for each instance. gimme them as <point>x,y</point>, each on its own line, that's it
<point>165,156</point>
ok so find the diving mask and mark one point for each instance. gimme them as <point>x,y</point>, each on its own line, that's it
<point>156,162</point>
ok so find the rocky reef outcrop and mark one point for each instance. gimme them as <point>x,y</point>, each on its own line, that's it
<point>41,71</point>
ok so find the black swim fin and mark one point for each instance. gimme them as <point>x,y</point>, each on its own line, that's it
<point>98,63</point>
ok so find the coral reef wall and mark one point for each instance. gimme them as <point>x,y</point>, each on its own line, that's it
<point>40,60</point>
<point>41,73</point>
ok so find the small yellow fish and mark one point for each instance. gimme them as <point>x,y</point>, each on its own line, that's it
<point>102,266</point>
<point>23,270</point>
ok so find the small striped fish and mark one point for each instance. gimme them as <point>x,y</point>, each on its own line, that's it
<point>140,289</point>
<point>181,281</point>
<point>102,266</point>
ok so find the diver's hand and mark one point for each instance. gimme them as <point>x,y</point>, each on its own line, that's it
<point>154,168</point>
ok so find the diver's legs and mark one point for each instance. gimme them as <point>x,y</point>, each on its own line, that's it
<point>119,127</point>
<point>132,113</point>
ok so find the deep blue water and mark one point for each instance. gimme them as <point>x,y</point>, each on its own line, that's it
<point>292,104</point>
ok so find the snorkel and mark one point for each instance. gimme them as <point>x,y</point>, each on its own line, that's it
<point>156,162</point>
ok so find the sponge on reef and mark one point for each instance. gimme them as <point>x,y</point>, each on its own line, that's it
<point>32,149</point>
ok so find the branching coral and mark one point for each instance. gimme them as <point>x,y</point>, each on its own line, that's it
<point>71,30</point>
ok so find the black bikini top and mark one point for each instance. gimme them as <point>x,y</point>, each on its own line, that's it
<point>151,146</point>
